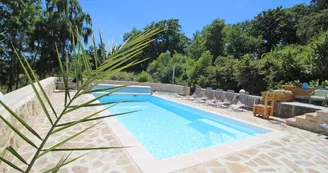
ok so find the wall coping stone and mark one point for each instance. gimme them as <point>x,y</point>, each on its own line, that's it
<point>17,98</point>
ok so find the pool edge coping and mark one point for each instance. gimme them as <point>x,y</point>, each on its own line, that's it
<point>148,163</point>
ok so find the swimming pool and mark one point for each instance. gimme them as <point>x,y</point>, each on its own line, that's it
<point>168,129</point>
<point>125,90</point>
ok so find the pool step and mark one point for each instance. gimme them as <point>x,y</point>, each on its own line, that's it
<point>310,121</point>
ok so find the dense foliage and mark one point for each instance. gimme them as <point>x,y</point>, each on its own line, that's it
<point>276,46</point>
<point>34,28</point>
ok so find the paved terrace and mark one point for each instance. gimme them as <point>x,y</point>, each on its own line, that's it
<point>298,151</point>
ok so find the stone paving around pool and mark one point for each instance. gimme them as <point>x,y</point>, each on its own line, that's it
<point>104,161</point>
<point>299,151</point>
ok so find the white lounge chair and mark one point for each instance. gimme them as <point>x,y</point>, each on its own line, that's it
<point>183,93</point>
<point>195,94</point>
<point>325,126</point>
<point>207,95</point>
<point>227,100</point>
<point>217,96</point>
<point>241,102</point>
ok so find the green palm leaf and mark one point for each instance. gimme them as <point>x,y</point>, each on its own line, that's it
<point>18,132</point>
<point>90,101</point>
<point>11,164</point>
<point>64,141</point>
<point>95,51</point>
<point>29,128</point>
<point>34,88</point>
<point>76,122</point>
<point>92,119</point>
<point>40,86</point>
<point>102,117</point>
<point>2,154</point>
<point>104,104</point>
<point>60,162</point>
<point>58,166</point>
<point>15,153</point>
<point>65,78</point>
<point>88,149</point>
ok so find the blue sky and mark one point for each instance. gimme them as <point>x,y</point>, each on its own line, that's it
<point>116,17</point>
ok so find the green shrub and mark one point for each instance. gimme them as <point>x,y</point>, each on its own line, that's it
<point>320,56</point>
<point>123,76</point>
<point>144,77</point>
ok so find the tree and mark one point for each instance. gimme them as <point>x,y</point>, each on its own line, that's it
<point>56,26</point>
<point>161,69</point>
<point>17,20</point>
<point>276,27</point>
<point>214,37</point>
<point>197,46</point>
<point>248,75</point>
<point>312,25</point>
<point>171,40</point>
<point>226,67</point>
<point>319,4</point>
<point>292,62</point>
<point>320,56</point>
<point>132,34</point>
<point>199,70</point>
<point>239,41</point>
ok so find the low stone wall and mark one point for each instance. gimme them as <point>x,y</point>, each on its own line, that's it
<point>155,86</point>
<point>292,109</point>
<point>25,103</point>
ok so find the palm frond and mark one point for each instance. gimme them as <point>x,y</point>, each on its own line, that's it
<point>79,121</point>
<point>88,149</point>
<point>102,117</point>
<point>18,132</point>
<point>95,51</point>
<point>58,166</point>
<point>40,86</point>
<point>34,88</point>
<point>60,162</point>
<point>103,104</point>
<point>11,164</point>
<point>97,118</point>
<point>90,101</point>
<point>65,77</point>
<point>2,154</point>
<point>28,127</point>
<point>15,153</point>
<point>64,141</point>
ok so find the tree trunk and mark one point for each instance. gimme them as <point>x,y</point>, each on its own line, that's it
<point>10,83</point>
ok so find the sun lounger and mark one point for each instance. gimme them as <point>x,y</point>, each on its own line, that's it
<point>241,102</point>
<point>227,100</point>
<point>207,95</point>
<point>325,126</point>
<point>183,93</point>
<point>195,94</point>
<point>217,96</point>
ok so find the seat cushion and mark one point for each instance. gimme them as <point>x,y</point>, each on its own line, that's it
<point>318,98</point>
<point>321,93</point>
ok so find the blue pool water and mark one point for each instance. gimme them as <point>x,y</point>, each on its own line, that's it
<point>167,128</point>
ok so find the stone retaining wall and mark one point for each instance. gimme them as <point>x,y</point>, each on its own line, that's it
<point>155,86</point>
<point>252,99</point>
<point>292,109</point>
<point>25,103</point>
